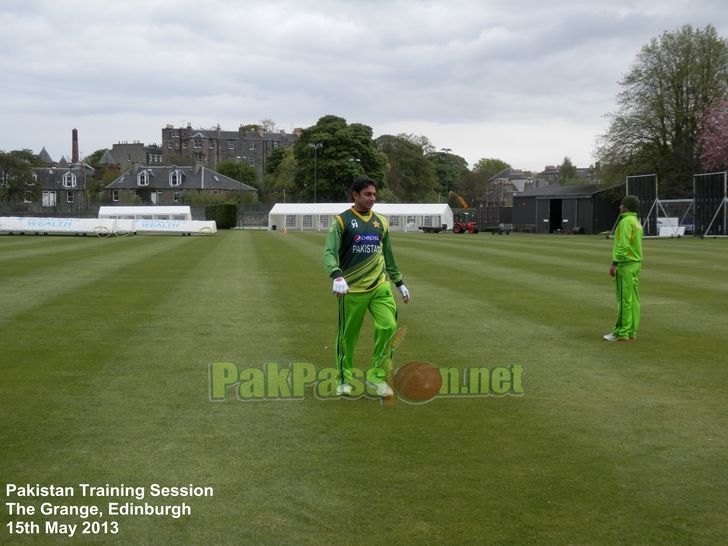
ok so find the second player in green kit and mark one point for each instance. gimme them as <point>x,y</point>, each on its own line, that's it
<point>358,257</point>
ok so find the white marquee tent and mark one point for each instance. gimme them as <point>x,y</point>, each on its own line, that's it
<point>138,212</point>
<point>318,216</point>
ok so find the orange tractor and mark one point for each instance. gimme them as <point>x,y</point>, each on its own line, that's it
<point>462,222</point>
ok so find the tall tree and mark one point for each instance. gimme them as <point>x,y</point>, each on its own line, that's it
<point>490,166</point>
<point>672,82</point>
<point>280,181</point>
<point>714,137</point>
<point>238,170</point>
<point>16,177</point>
<point>449,168</point>
<point>410,175</point>
<point>95,157</point>
<point>331,154</point>
<point>567,171</point>
<point>472,187</point>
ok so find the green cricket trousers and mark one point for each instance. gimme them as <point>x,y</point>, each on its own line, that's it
<point>352,309</point>
<point>627,283</point>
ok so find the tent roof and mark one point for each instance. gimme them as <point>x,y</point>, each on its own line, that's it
<point>388,209</point>
<point>156,210</point>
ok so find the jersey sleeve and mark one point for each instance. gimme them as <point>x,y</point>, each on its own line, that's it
<point>389,262</point>
<point>331,249</point>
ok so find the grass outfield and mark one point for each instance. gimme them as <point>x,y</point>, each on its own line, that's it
<point>105,346</point>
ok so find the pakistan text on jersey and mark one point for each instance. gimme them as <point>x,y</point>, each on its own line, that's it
<point>366,249</point>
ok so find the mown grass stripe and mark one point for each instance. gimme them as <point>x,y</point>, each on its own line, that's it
<point>42,278</point>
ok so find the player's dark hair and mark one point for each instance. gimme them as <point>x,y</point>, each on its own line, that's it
<point>361,183</point>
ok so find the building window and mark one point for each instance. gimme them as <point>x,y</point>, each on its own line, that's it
<point>176,196</point>
<point>175,178</point>
<point>69,197</point>
<point>291,220</point>
<point>211,145</point>
<point>69,180</point>
<point>48,199</point>
<point>143,178</point>
<point>198,144</point>
<point>394,221</point>
<point>428,221</point>
<point>231,144</point>
<point>169,145</point>
<point>324,221</point>
<point>114,195</point>
<point>174,134</point>
<point>27,197</point>
<point>252,148</point>
<point>308,221</point>
<point>184,145</point>
<point>198,156</point>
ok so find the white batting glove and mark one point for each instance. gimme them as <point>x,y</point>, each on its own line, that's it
<point>405,293</point>
<point>340,287</point>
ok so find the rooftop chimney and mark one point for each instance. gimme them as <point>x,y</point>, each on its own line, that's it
<point>74,148</point>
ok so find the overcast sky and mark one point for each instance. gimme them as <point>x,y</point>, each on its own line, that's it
<point>528,82</point>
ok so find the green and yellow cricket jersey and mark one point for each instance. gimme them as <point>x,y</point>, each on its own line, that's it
<point>358,249</point>
<point>627,239</point>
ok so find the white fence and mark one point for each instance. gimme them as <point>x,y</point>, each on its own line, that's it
<point>102,226</point>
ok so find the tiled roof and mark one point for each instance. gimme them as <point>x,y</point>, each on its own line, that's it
<point>193,178</point>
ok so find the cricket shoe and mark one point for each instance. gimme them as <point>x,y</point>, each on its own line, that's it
<point>612,337</point>
<point>382,389</point>
<point>343,390</point>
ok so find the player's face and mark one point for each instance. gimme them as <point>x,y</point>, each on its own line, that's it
<point>364,200</point>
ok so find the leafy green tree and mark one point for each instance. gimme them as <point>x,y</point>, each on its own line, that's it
<point>241,171</point>
<point>280,182</point>
<point>16,177</point>
<point>449,168</point>
<point>410,175</point>
<point>96,187</point>
<point>490,166</point>
<point>567,172</point>
<point>330,155</point>
<point>472,187</point>
<point>275,159</point>
<point>94,158</point>
<point>673,81</point>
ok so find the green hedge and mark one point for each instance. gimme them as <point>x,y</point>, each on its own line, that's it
<point>225,215</point>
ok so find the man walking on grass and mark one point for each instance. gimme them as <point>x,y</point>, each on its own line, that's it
<point>625,269</point>
<point>358,257</point>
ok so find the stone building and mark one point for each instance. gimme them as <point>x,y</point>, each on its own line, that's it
<point>167,185</point>
<point>210,147</point>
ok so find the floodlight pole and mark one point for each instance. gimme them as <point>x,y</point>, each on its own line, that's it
<point>354,162</point>
<point>315,146</point>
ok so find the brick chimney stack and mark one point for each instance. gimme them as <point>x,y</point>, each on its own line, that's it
<point>74,149</point>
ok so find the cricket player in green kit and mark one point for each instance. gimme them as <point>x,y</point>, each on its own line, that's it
<point>625,269</point>
<point>358,257</point>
